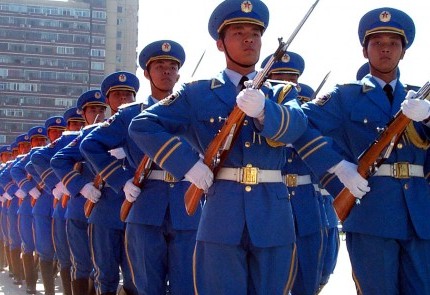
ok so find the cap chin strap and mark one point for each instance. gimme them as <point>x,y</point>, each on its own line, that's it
<point>386,72</point>
<point>236,62</point>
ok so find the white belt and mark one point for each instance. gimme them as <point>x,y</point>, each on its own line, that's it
<point>249,175</point>
<point>293,180</point>
<point>322,191</point>
<point>400,170</point>
<point>162,175</point>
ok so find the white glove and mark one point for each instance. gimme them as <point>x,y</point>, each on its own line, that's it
<point>57,193</point>
<point>90,192</point>
<point>2,199</point>
<point>7,196</point>
<point>351,179</point>
<point>415,109</point>
<point>60,186</point>
<point>118,153</point>
<point>34,193</point>
<point>20,193</point>
<point>200,175</point>
<point>131,191</point>
<point>251,102</point>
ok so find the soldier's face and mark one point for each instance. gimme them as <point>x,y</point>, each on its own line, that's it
<point>75,125</point>
<point>242,42</point>
<point>163,73</point>
<point>384,51</point>
<point>117,98</point>
<point>94,114</point>
<point>53,134</point>
<point>24,147</point>
<point>38,141</point>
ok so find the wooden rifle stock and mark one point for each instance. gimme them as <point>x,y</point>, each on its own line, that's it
<point>219,147</point>
<point>375,155</point>
<point>89,206</point>
<point>141,173</point>
<point>65,198</point>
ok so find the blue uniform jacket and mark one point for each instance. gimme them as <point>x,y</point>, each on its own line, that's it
<point>156,196</point>
<point>196,112</point>
<point>41,160</point>
<point>63,163</point>
<point>351,114</point>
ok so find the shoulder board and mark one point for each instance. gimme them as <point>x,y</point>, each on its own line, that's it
<point>126,105</point>
<point>92,126</point>
<point>70,132</point>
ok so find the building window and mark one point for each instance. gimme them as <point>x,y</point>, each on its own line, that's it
<point>98,66</point>
<point>118,34</point>
<point>119,21</point>
<point>65,50</point>
<point>118,46</point>
<point>99,14</point>
<point>98,52</point>
<point>119,9</point>
<point>13,113</point>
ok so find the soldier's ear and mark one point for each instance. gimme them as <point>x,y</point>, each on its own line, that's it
<point>146,74</point>
<point>220,45</point>
<point>365,52</point>
<point>177,77</point>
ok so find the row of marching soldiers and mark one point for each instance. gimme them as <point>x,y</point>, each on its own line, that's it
<point>62,200</point>
<point>90,161</point>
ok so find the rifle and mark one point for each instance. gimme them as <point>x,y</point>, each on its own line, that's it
<point>89,206</point>
<point>376,154</point>
<point>218,148</point>
<point>141,173</point>
<point>65,198</point>
<point>314,95</point>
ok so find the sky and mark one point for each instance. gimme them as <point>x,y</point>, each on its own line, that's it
<point>328,41</point>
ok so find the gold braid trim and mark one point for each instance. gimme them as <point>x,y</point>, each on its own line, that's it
<point>413,136</point>
<point>282,94</point>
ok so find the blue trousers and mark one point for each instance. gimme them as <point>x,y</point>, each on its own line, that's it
<point>310,259</point>
<point>25,223</point>
<point>61,244</point>
<point>77,237</point>
<point>160,253</point>
<point>331,253</point>
<point>243,269</point>
<point>12,217</point>
<point>389,266</point>
<point>108,249</point>
<point>43,237</point>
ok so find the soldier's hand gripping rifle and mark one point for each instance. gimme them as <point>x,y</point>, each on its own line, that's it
<point>219,147</point>
<point>89,206</point>
<point>376,154</point>
<point>141,173</point>
<point>65,198</point>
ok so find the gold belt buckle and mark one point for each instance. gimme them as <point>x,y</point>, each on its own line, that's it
<point>401,170</point>
<point>169,177</point>
<point>249,175</point>
<point>291,180</point>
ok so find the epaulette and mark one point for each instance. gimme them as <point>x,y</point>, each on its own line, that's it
<point>92,126</point>
<point>126,105</point>
<point>68,132</point>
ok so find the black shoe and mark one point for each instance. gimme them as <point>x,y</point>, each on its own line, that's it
<point>31,290</point>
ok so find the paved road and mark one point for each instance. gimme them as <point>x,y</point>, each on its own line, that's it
<point>340,282</point>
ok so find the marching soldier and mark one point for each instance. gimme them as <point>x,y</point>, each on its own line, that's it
<point>303,196</point>
<point>5,156</point>
<point>105,227</point>
<point>389,221</point>
<point>12,191</point>
<point>77,176</point>
<point>41,163</point>
<point>235,252</point>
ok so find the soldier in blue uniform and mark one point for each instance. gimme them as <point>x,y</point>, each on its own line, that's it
<point>105,227</point>
<point>41,163</point>
<point>235,253</point>
<point>5,156</point>
<point>387,233</point>
<point>8,158</point>
<point>303,196</point>
<point>12,191</point>
<point>77,176</point>
<point>160,235</point>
